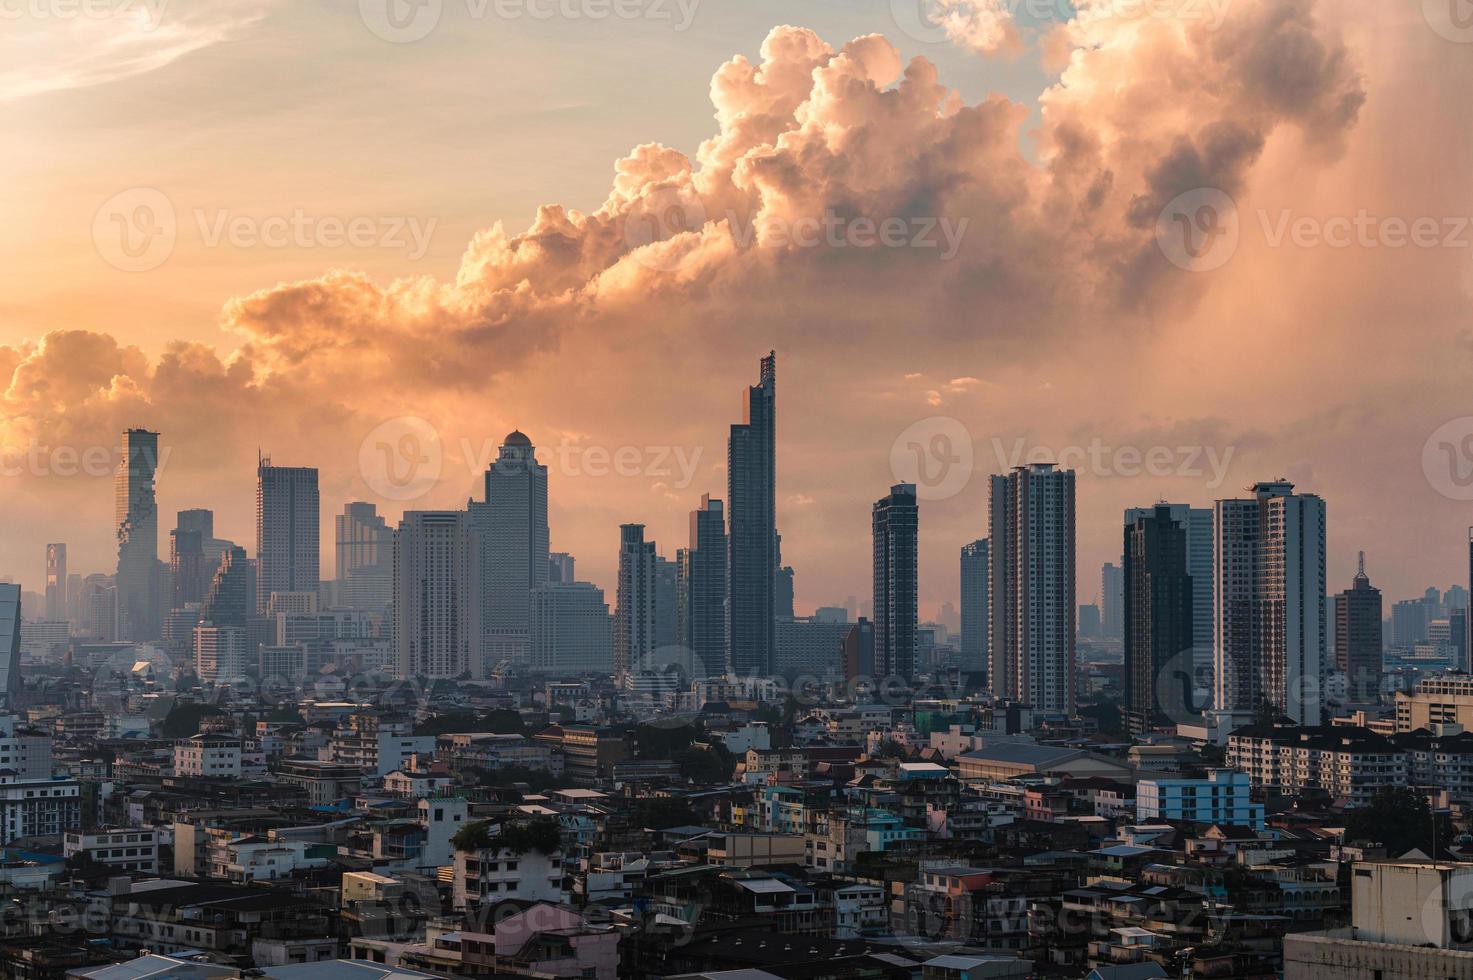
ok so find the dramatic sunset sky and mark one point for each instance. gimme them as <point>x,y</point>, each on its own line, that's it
<point>528,153</point>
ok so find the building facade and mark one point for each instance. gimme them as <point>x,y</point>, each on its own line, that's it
<point>288,526</point>
<point>1031,543</point>
<point>751,467</point>
<point>896,526</point>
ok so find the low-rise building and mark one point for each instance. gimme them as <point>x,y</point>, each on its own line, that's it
<point>123,848</point>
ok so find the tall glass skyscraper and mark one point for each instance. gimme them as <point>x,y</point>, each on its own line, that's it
<point>975,632</point>
<point>288,527</point>
<point>512,523</point>
<point>1158,620</point>
<point>896,527</point>
<point>703,589</point>
<point>751,458</point>
<point>137,512</point>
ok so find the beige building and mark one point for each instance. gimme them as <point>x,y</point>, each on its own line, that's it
<point>1437,701</point>
<point>1009,760</point>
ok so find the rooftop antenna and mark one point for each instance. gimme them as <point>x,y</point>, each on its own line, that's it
<point>1361,568</point>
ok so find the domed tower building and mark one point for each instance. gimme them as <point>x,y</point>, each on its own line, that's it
<point>512,526</point>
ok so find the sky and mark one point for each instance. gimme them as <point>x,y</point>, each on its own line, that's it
<point>1181,246</point>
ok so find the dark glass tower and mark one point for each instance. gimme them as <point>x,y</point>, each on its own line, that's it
<point>1158,621</point>
<point>751,607</point>
<point>896,524</point>
<point>1358,636</point>
<point>974,605</point>
<point>703,589</point>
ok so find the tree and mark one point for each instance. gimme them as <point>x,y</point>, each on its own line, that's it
<point>540,834</point>
<point>890,749</point>
<point>703,765</point>
<point>1400,818</point>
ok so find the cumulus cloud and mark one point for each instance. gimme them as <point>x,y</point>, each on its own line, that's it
<point>816,218</point>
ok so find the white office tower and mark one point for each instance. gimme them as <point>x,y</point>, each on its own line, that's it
<point>365,551</point>
<point>220,654</point>
<point>514,559</point>
<point>634,618</point>
<point>1269,625</point>
<point>1198,524</point>
<point>1031,596</point>
<point>572,632</point>
<point>436,623</point>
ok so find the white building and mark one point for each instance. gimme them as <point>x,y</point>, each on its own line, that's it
<point>572,632</point>
<point>487,877</point>
<point>1224,797</point>
<point>215,756</point>
<point>39,807</point>
<point>1269,623</point>
<point>1031,598</point>
<point>437,617</point>
<point>1347,763</point>
<point>220,653</point>
<point>27,756</point>
<point>123,848</point>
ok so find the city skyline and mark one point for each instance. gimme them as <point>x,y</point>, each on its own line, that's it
<point>1318,411</point>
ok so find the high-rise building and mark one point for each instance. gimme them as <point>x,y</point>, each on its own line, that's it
<point>572,632</point>
<point>667,608</point>
<point>702,599</point>
<point>187,568</point>
<point>56,582</point>
<point>859,653</point>
<point>514,551</point>
<point>203,521</point>
<point>1197,521</point>
<point>231,598</point>
<point>976,635</point>
<point>10,617</point>
<point>1269,586</point>
<point>1159,631</point>
<point>1089,622</point>
<point>436,625</point>
<point>1112,600</point>
<point>561,567</point>
<point>752,534</point>
<point>365,558</point>
<point>1031,587</point>
<point>1358,636</point>
<point>221,653</point>
<point>895,524</point>
<point>634,615</point>
<point>288,526</point>
<point>138,579</point>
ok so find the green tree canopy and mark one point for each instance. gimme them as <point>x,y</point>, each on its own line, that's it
<point>1400,818</point>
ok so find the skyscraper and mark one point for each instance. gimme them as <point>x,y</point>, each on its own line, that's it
<point>56,582</point>
<point>1158,620</point>
<point>976,637</point>
<point>1197,521</point>
<point>436,626</point>
<point>513,525</point>
<point>288,525</point>
<point>1031,589</point>
<point>667,610</point>
<point>187,568</point>
<point>365,558</point>
<point>10,617</point>
<point>138,579</point>
<point>634,614</point>
<point>1112,600</point>
<point>203,521</point>
<point>895,523</point>
<point>231,599</point>
<point>1358,636</point>
<point>752,539</point>
<point>1269,628</point>
<point>703,589</point>
<point>572,632</point>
